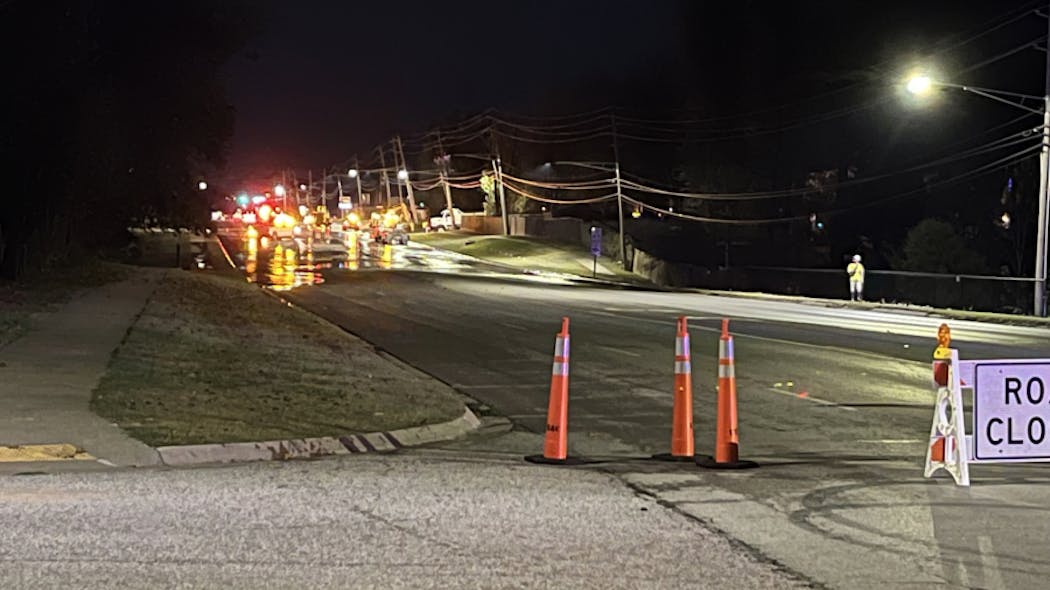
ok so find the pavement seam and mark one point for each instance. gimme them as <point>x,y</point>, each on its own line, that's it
<point>755,553</point>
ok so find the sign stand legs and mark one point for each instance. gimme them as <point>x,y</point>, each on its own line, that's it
<point>947,449</point>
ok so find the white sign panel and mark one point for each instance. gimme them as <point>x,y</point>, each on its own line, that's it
<point>1011,411</point>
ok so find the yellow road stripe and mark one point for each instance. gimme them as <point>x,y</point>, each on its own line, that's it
<point>52,452</point>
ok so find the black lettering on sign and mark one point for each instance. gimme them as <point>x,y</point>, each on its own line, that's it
<point>552,428</point>
<point>1010,433</point>
<point>1036,424</point>
<point>992,439</point>
<point>1013,386</point>
<point>1035,399</point>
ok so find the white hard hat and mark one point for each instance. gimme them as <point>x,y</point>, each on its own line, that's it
<point>856,258</point>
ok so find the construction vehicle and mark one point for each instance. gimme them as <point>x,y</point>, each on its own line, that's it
<point>389,227</point>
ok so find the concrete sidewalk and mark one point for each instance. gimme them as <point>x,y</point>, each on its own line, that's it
<point>47,376</point>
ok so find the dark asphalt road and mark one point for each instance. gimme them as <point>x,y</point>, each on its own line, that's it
<point>841,476</point>
<point>840,497</point>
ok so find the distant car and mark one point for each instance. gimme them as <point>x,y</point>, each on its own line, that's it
<point>331,248</point>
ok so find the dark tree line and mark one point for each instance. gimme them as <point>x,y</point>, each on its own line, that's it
<point>110,111</point>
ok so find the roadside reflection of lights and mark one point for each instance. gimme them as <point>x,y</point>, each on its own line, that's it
<point>386,260</point>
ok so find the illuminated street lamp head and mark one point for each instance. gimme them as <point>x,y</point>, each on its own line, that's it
<point>919,84</point>
<point>302,186</point>
<point>278,190</point>
<point>402,174</point>
<point>352,172</point>
<point>202,185</point>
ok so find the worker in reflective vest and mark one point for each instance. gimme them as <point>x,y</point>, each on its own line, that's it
<point>855,270</point>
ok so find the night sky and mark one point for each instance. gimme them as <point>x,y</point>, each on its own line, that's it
<point>325,79</point>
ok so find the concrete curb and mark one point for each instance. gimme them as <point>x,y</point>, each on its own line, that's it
<point>305,448</point>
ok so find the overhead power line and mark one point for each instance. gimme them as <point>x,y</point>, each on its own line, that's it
<point>996,165</point>
<point>518,190</point>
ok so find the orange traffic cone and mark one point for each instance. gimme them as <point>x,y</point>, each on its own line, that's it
<point>555,442</point>
<point>727,442</point>
<point>682,438</point>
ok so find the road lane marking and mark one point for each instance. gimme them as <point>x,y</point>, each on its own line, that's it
<point>810,398</point>
<point>993,578</point>
<point>501,386</point>
<point>620,350</point>
<point>514,327</point>
<point>893,441</point>
<point>874,355</point>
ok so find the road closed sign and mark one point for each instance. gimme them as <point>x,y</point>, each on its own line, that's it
<point>1011,411</point>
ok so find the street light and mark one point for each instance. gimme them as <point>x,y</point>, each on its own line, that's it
<point>202,186</point>
<point>402,174</point>
<point>278,190</point>
<point>921,84</point>
<point>354,174</point>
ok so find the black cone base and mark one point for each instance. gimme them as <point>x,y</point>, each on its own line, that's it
<point>541,460</point>
<point>678,458</point>
<point>710,463</point>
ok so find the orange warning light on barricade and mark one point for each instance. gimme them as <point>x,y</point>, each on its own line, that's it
<point>941,354</point>
<point>944,340</point>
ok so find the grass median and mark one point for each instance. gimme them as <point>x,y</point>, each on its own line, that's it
<point>214,359</point>
<point>528,254</point>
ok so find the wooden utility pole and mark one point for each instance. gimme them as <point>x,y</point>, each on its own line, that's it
<point>386,176</point>
<point>408,184</point>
